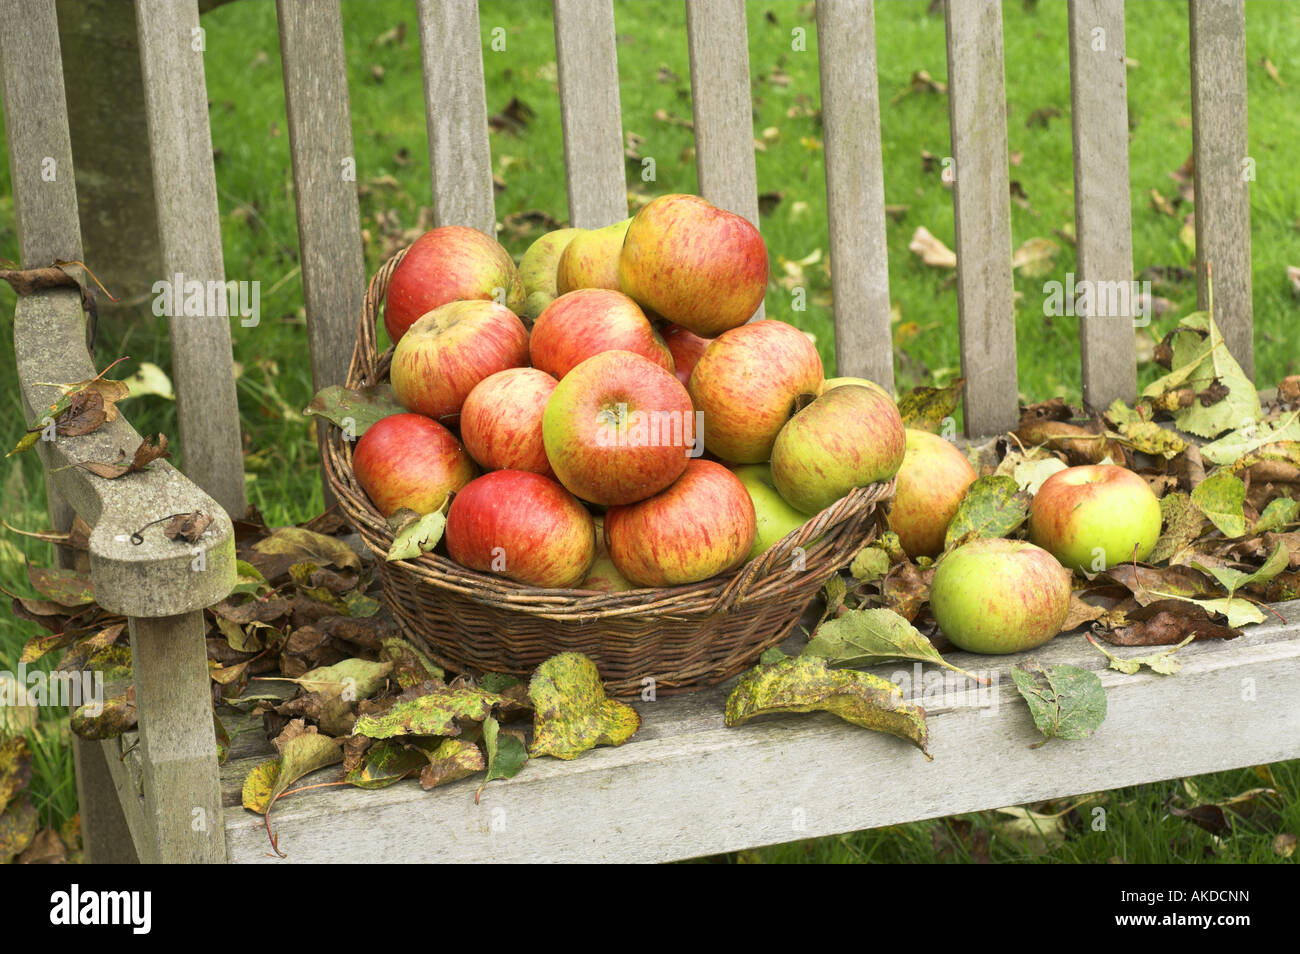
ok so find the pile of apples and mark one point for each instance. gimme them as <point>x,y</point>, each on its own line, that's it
<point>606,416</point>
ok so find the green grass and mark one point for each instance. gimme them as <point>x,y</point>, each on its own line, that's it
<point>260,242</point>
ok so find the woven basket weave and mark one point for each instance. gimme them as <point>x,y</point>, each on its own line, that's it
<point>676,639</point>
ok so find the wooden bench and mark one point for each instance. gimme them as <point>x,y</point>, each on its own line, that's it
<point>685,786</point>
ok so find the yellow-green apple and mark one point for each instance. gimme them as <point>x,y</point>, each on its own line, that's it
<point>590,260</point>
<point>1095,516</point>
<point>686,348</point>
<point>588,321</point>
<point>699,527</point>
<point>449,263</point>
<point>538,267</point>
<point>603,575</point>
<point>409,460</point>
<point>523,526</point>
<point>775,518</point>
<point>451,349</point>
<point>696,265</point>
<point>501,420</point>
<point>999,596</point>
<point>830,383</point>
<point>931,485</point>
<point>849,437</point>
<point>746,384</point>
<point>618,428</point>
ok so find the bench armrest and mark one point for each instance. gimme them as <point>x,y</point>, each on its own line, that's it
<point>158,577</point>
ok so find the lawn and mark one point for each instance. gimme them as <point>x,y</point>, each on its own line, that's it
<point>260,244</point>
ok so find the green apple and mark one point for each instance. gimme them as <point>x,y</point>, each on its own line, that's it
<point>538,269</point>
<point>603,575</point>
<point>1095,516</point>
<point>775,517</point>
<point>931,485</point>
<point>999,596</point>
<point>849,437</point>
<point>830,383</point>
<point>590,260</point>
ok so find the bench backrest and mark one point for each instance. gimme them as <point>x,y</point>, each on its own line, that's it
<point>316,94</point>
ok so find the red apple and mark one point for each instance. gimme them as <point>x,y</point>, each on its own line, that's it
<point>618,428</point>
<point>686,348</point>
<point>699,527</point>
<point>501,420</point>
<point>408,460</point>
<point>1095,516</point>
<point>451,349</point>
<point>698,266</point>
<point>588,321</point>
<point>931,484</point>
<point>590,260</point>
<point>449,263</point>
<point>746,384</point>
<point>523,526</point>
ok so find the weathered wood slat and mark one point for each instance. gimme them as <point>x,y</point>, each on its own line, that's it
<point>686,785</point>
<point>722,106</point>
<point>1102,214</point>
<point>855,189</point>
<point>189,228</point>
<point>982,213</point>
<point>587,56</point>
<point>1224,169</point>
<point>105,831</point>
<point>455,104</point>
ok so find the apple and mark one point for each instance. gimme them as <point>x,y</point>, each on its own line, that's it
<point>523,526</point>
<point>698,266</point>
<point>830,383</point>
<point>1095,516</point>
<point>501,420</point>
<point>603,576</point>
<point>590,260</point>
<point>999,596</point>
<point>849,437</point>
<point>451,349</point>
<point>699,527</point>
<point>686,348</point>
<point>775,518</point>
<point>449,263</point>
<point>931,485</point>
<point>409,460</point>
<point>588,321</point>
<point>746,384</point>
<point>618,428</point>
<point>537,269</point>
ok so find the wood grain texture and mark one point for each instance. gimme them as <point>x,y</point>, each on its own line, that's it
<point>182,797</point>
<point>686,785</point>
<point>455,104</point>
<point>982,215</point>
<point>855,189</point>
<point>104,830</point>
<point>1102,206</point>
<point>189,231</point>
<point>722,107</point>
<point>1221,149</point>
<point>587,56</point>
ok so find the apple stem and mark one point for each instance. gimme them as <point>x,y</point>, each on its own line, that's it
<point>978,680</point>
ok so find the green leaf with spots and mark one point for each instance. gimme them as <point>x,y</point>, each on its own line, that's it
<point>434,713</point>
<point>994,506</point>
<point>417,535</point>
<point>865,637</point>
<point>248,579</point>
<point>1232,579</point>
<point>1213,365</point>
<point>506,753</point>
<point>1280,512</point>
<point>1182,522</point>
<point>1222,498</point>
<point>453,759</point>
<point>303,750</point>
<point>1162,661</point>
<point>926,408</point>
<point>354,410</point>
<point>15,768</point>
<point>1066,702</point>
<point>411,666</point>
<point>386,763</point>
<point>572,712</point>
<point>1150,438</point>
<point>65,587</point>
<point>351,679</point>
<point>807,684</point>
<point>1253,435</point>
<point>18,824</point>
<point>870,564</point>
<point>105,720</point>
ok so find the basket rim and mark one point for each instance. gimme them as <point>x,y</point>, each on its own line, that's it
<point>722,592</point>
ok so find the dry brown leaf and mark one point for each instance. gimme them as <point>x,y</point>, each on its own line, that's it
<point>932,252</point>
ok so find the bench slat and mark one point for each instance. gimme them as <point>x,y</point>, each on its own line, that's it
<point>1221,153</point>
<point>325,192</point>
<point>455,105</point>
<point>587,56</point>
<point>722,106</point>
<point>855,189</point>
<point>1102,212</point>
<point>982,215</point>
<point>189,229</point>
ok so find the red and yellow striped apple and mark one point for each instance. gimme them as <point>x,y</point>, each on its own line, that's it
<point>1095,516</point>
<point>588,321</point>
<point>590,260</point>
<point>931,485</point>
<point>409,460</point>
<point>501,420</point>
<point>686,348</point>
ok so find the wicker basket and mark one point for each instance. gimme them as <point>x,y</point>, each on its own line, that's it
<point>683,638</point>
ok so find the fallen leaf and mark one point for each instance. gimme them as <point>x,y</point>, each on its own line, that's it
<point>506,753</point>
<point>932,252</point>
<point>453,759</point>
<point>1182,522</point>
<point>303,750</point>
<point>572,712</point>
<point>145,454</point>
<point>992,507</point>
<point>187,526</point>
<point>866,637</point>
<point>926,408</point>
<point>1065,701</point>
<point>416,534</point>
<point>1222,499</point>
<point>386,763</point>
<point>430,713</point>
<point>354,411</point>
